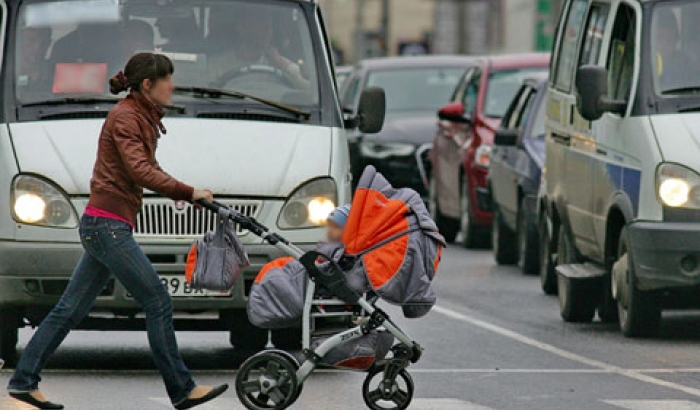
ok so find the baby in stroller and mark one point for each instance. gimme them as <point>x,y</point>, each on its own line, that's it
<point>390,249</point>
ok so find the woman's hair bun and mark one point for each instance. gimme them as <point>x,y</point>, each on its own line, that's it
<point>118,83</point>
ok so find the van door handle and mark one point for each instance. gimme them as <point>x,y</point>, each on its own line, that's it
<point>601,151</point>
<point>562,139</point>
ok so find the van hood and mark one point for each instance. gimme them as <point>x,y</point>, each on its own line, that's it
<point>229,157</point>
<point>678,136</point>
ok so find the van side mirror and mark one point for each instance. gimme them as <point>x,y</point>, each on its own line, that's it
<point>454,112</point>
<point>506,137</point>
<point>371,110</point>
<point>592,93</point>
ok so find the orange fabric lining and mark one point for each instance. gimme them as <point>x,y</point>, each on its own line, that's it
<point>383,263</point>
<point>438,258</point>
<point>191,264</point>
<point>277,263</point>
<point>373,218</point>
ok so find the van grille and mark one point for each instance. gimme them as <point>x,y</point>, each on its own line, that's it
<point>160,217</point>
<point>246,117</point>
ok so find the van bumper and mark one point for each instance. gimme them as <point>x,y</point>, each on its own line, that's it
<point>666,255</point>
<point>33,275</point>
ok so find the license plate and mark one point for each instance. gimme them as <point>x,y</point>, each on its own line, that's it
<point>178,287</point>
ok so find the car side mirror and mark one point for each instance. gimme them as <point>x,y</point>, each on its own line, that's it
<point>592,93</point>
<point>506,137</point>
<point>371,110</point>
<point>454,112</point>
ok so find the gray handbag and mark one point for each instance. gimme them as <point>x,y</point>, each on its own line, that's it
<point>216,261</point>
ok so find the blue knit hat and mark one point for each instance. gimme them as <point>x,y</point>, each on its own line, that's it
<point>340,215</point>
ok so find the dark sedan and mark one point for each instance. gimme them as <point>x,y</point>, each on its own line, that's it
<point>415,88</point>
<point>514,177</point>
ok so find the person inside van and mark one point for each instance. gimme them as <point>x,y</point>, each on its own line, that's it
<point>137,36</point>
<point>32,75</point>
<point>253,26</point>
<point>182,33</point>
<point>671,62</point>
<point>126,165</point>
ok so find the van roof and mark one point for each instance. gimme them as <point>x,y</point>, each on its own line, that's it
<point>419,61</point>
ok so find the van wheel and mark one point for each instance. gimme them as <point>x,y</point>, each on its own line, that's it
<point>528,242</point>
<point>639,312</point>
<point>577,302</point>
<point>448,227</point>
<point>287,339</point>
<point>243,335</point>
<point>504,241</point>
<point>548,276</point>
<point>9,331</point>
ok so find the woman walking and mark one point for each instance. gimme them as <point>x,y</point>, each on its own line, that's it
<point>125,165</point>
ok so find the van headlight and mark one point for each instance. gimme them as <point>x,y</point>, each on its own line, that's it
<point>310,205</point>
<point>36,201</point>
<point>678,186</point>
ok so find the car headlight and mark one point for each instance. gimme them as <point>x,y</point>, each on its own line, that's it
<point>482,157</point>
<point>38,202</point>
<point>382,150</point>
<point>310,205</point>
<point>678,186</point>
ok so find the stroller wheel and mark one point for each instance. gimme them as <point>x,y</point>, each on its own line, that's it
<point>381,394</point>
<point>267,381</point>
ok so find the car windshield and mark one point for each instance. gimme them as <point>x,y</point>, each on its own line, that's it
<point>502,87</point>
<point>69,48</point>
<point>416,89</point>
<point>675,55</point>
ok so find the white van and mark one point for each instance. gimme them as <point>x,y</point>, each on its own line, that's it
<point>620,214</point>
<point>256,119</point>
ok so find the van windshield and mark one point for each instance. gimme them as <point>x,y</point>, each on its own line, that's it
<point>70,48</point>
<point>675,52</point>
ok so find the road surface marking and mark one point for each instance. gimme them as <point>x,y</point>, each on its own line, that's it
<point>654,404</point>
<point>632,374</point>
<point>416,404</point>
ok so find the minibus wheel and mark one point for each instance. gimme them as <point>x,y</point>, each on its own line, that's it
<point>9,329</point>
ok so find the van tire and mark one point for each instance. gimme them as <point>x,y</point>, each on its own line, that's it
<point>503,241</point>
<point>448,227</point>
<point>639,312</point>
<point>9,332</point>
<point>243,335</point>
<point>528,242</point>
<point>577,301</point>
<point>548,275</point>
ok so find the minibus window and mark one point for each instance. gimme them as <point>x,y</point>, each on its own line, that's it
<point>569,45</point>
<point>622,52</point>
<point>259,48</point>
<point>592,44</point>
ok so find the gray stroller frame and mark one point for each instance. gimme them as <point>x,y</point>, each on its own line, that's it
<point>273,379</point>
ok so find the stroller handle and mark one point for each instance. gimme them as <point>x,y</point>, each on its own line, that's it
<point>247,222</point>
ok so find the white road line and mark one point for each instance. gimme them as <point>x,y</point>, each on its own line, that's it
<point>445,404</point>
<point>654,404</point>
<point>632,374</point>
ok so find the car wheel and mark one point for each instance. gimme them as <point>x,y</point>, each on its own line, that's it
<point>577,301</point>
<point>503,241</point>
<point>472,235</point>
<point>9,330</point>
<point>243,335</point>
<point>639,312</point>
<point>548,276</point>
<point>448,227</point>
<point>528,242</point>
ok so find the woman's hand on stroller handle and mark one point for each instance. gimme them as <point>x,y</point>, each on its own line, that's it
<point>202,195</point>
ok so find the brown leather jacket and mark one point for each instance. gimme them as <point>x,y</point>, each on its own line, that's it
<point>126,162</point>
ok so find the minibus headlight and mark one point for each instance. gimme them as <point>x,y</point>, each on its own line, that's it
<point>310,205</point>
<point>38,202</point>
<point>678,186</point>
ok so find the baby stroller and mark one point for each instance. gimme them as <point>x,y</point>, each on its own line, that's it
<point>392,251</point>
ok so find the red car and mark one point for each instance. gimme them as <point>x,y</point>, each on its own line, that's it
<point>461,154</point>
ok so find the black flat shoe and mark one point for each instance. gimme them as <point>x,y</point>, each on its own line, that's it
<point>29,399</point>
<point>214,393</point>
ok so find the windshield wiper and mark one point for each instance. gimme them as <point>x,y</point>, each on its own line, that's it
<point>681,90</point>
<point>218,92</point>
<point>74,100</point>
<point>92,100</point>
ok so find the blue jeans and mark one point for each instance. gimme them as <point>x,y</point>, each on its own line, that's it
<point>110,249</point>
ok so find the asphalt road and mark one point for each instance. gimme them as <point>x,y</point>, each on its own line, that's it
<point>493,342</point>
